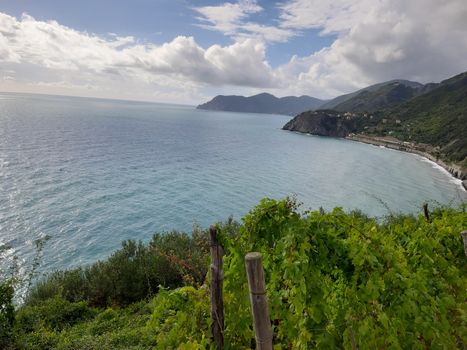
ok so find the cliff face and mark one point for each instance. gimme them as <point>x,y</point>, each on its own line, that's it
<point>322,123</point>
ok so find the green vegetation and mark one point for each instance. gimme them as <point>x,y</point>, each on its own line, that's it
<point>377,96</point>
<point>437,118</point>
<point>168,320</point>
<point>334,280</point>
<point>387,95</point>
<point>132,273</point>
<point>7,313</point>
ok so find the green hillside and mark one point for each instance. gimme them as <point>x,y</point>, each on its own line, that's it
<point>376,96</point>
<point>437,118</point>
<point>370,101</point>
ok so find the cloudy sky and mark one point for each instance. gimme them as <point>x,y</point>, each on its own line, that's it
<point>188,51</point>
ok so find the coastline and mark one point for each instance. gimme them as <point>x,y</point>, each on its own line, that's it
<point>454,170</point>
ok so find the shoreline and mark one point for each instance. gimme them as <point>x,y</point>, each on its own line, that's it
<point>454,170</point>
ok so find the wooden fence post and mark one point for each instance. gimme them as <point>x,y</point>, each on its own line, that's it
<point>464,236</point>
<point>426,213</point>
<point>217,303</point>
<point>259,302</point>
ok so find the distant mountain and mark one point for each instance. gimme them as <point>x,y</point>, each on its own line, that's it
<point>263,103</point>
<point>369,99</point>
<point>377,96</point>
<point>434,120</point>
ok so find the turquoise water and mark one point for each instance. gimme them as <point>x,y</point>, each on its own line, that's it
<point>90,173</point>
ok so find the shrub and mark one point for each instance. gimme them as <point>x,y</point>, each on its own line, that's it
<point>345,280</point>
<point>58,324</point>
<point>181,317</point>
<point>54,314</point>
<point>7,315</point>
<point>132,273</point>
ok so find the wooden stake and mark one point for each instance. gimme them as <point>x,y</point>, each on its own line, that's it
<point>464,236</point>
<point>352,339</point>
<point>426,212</point>
<point>217,303</point>
<point>259,302</point>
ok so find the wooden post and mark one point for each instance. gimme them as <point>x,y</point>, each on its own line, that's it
<point>464,236</point>
<point>259,302</point>
<point>352,339</point>
<point>426,212</point>
<point>217,303</point>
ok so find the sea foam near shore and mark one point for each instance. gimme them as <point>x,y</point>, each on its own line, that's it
<point>435,165</point>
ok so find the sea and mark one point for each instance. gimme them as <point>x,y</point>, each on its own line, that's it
<point>81,175</point>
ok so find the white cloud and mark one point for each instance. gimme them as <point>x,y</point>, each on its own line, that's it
<point>231,20</point>
<point>228,16</point>
<point>242,63</point>
<point>422,40</point>
<point>329,16</point>
<point>265,33</point>
<point>54,47</point>
<point>376,40</point>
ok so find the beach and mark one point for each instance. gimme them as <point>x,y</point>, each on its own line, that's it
<point>455,170</point>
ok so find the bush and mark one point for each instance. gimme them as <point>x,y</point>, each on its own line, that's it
<point>344,280</point>
<point>59,324</point>
<point>53,314</point>
<point>132,273</point>
<point>7,316</point>
<point>181,317</point>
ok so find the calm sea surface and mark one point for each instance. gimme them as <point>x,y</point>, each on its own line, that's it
<point>90,173</point>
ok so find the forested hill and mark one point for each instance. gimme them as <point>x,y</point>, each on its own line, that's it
<point>263,103</point>
<point>378,96</point>
<point>437,118</point>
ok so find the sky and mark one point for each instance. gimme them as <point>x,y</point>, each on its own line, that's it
<point>180,51</point>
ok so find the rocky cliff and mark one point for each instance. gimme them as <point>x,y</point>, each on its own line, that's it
<point>322,123</point>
